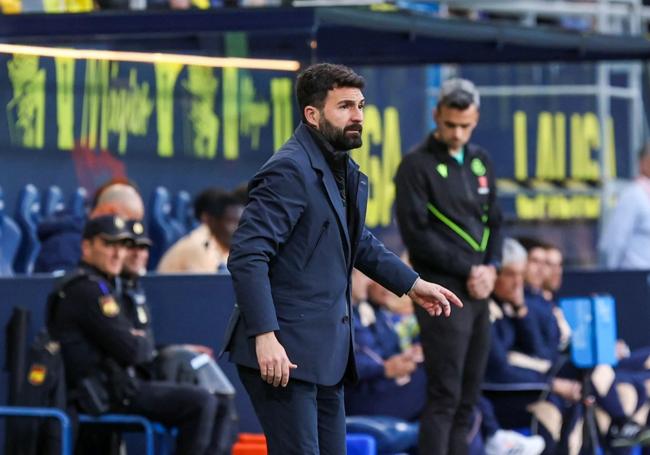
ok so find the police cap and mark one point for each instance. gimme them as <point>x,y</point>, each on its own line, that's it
<point>138,233</point>
<point>109,227</point>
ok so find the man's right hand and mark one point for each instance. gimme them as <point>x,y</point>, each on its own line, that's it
<point>272,360</point>
<point>399,365</point>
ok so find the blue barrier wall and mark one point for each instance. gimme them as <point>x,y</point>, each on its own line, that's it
<point>186,309</point>
<point>195,309</point>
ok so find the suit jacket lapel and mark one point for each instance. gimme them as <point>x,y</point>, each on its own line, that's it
<point>318,162</point>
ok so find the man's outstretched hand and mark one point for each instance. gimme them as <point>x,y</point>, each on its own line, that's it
<point>435,299</point>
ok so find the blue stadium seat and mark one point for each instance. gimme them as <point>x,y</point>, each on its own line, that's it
<point>78,202</point>
<point>9,240</point>
<point>360,444</point>
<point>184,212</point>
<point>27,216</point>
<point>52,201</point>
<point>160,227</point>
<point>391,434</point>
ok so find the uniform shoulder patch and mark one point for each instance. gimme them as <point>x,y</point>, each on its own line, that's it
<point>109,306</point>
<point>37,374</point>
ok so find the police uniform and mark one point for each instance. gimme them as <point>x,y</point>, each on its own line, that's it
<point>99,347</point>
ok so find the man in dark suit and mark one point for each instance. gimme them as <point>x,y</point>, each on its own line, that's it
<point>300,235</point>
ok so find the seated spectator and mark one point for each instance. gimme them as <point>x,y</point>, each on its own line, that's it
<point>520,353</point>
<point>60,234</point>
<point>101,347</point>
<point>391,376</point>
<point>206,248</point>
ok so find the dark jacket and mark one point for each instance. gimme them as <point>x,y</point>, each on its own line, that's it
<point>447,212</point>
<point>513,335</point>
<point>60,237</point>
<point>291,260</point>
<point>91,325</point>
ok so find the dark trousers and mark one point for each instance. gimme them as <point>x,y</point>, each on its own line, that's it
<point>191,409</point>
<point>302,418</point>
<point>455,354</point>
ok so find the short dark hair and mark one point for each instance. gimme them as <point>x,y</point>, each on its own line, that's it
<point>317,80</point>
<point>530,243</point>
<point>459,94</point>
<point>214,202</point>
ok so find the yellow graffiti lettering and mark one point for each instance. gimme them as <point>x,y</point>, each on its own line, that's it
<point>202,86</point>
<point>281,100</point>
<point>65,102</point>
<point>255,114</point>
<point>521,146</point>
<point>585,137</point>
<point>559,207</point>
<point>111,106</point>
<point>611,162</point>
<point>26,109</point>
<point>380,169</point>
<point>231,113</point>
<point>392,155</point>
<point>551,151</point>
<point>551,146</point>
<point>128,110</point>
<point>166,76</point>
<point>95,93</point>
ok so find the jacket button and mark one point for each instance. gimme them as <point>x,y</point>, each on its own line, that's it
<point>345,319</point>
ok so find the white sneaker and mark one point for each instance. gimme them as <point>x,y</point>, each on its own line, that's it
<point>507,442</point>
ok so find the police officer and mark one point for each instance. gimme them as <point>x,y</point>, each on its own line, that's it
<point>166,365</point>
<point>101,346</point>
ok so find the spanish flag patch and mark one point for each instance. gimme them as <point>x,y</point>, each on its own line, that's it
<point>109,306</point>
<point>37,374</point>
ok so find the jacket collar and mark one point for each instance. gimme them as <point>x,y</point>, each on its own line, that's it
<point>318,162</point>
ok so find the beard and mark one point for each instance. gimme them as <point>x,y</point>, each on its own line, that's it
<point>337,137</point>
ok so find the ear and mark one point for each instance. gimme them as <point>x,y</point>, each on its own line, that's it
<point>85,248</point>
<point>312,116</point>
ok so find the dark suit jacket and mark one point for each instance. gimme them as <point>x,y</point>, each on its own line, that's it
<point>291,259</point>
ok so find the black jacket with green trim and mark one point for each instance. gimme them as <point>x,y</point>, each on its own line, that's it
<point>447,212</point>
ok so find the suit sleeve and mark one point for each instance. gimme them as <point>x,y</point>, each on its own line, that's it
<point>382,265</point>
<point>110,331</point>
<point>423,242</point>
<point>276,203</point>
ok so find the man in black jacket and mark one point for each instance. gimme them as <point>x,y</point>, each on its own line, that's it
<point>449,221</point>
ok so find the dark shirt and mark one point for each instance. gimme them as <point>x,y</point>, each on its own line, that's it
<point>338,162</point>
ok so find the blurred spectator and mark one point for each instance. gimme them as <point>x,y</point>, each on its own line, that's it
<point>625,238</point>
<point>618,394</point>
<point>60,234</point>
<point>392,381</point>
<point>206,248</point>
